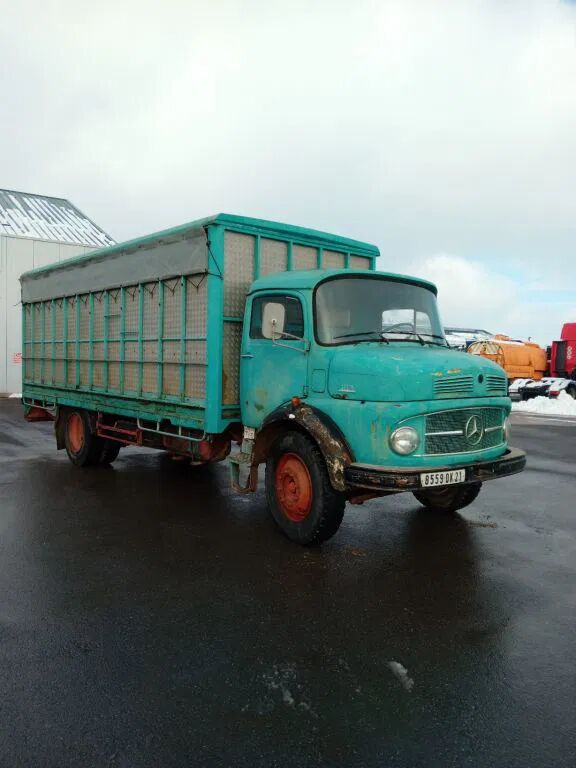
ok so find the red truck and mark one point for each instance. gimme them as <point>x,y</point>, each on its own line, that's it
<point>561,373</point>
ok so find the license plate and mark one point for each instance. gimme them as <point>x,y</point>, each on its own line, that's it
<point>432,479</point>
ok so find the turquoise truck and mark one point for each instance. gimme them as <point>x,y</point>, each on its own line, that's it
<point>262,343</point>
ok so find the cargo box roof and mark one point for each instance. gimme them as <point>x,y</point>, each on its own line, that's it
<point>237,223</point>
<point>303,279</point>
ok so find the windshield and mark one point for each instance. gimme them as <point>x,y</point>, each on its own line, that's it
<point>353,309</point>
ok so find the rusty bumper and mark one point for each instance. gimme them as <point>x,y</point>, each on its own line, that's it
<point>400,479</point>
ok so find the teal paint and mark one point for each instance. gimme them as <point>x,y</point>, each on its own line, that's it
<point>25,346</point>
<point>77,340</point>
<point>106,338</point>
<point>32,347</point>
<point>65,337</point>
<point>43,343</point>
<point>183,332</point>
<point>215,331</point>
<point>53,333</point>
<point>318,382</point>
<point>271,375</point>
<point>140,338</point>
<point>257,257</point>
<point>91,341</point>
<point>122,346</point>
<point>176,412</point>
<point>160,352</point>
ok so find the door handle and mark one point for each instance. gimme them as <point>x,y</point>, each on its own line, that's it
<point>247,356</point>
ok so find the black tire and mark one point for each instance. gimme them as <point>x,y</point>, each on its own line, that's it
<point>326,505</point>
<point>83,446</point>
<point>449,499</point>
<point>110,451</point>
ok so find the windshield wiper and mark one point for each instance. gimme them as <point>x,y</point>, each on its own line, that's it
<point>379,334</point>
<point>423,340</point>
<point>407,333</point>
<point>441,343</point>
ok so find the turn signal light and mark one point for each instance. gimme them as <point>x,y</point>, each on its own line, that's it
<point>295,401</point>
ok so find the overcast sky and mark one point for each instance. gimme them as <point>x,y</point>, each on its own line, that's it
<point>444,131</point>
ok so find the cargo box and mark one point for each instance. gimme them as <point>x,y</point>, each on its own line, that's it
<point>151,328</point>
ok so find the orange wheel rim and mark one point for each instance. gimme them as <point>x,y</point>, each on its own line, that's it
<point>293,487</point>
<point>75,428</point>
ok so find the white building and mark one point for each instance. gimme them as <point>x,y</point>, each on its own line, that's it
<point>34,231</point>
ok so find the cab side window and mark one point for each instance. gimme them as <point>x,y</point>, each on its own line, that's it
<point>294,318</point>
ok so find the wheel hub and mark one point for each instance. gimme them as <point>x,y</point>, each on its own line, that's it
<point>293,487</point>
<point>75,427</point>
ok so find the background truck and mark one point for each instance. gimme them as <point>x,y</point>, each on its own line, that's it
<point>462,338</point>
<point>279,340</point>
<point>531,369</point>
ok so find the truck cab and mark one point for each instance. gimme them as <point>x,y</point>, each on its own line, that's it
<point>348,388</point>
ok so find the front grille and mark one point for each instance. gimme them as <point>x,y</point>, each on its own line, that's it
<point>497,385</point>
<point>446,431</point>
<point>455,385</point>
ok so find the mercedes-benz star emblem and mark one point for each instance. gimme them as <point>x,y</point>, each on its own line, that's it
<point>474,431</point>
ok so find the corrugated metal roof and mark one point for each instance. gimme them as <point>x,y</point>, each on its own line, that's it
<point>47,218</point>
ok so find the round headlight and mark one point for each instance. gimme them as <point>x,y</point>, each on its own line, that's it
<point>507,430</point>
<point>404,440</point>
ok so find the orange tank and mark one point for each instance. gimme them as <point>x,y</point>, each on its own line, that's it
<point>520,359</point>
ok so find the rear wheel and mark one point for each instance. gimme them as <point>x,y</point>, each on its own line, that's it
<point>301,499</point>
<point>449,499</point>
<point>84,448</point>
<point>110,451</point>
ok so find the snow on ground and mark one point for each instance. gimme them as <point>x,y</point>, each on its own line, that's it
<point>563,405</point>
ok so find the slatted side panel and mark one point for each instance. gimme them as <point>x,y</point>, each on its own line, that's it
<point>273,256</point>
<point>333,260</point>
<point>304,257</point>
<point>359,262</point>
<point>146,340</point>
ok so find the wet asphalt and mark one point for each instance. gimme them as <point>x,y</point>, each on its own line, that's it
<point>151,617</point>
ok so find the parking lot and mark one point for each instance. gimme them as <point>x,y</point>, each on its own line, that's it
<point>151,617</point>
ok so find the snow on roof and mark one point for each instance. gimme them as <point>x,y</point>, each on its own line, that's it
<point>47,218</point>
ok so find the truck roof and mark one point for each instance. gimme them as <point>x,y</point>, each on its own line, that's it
<point>306,279</point>
<point>237,223</point>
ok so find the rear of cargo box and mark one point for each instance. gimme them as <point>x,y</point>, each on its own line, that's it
<point>152,328</point>
<point>122,330</point>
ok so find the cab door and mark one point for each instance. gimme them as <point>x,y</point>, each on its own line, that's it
<point>272,370</point>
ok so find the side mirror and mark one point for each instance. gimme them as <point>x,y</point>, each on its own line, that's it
<point>273,317</point>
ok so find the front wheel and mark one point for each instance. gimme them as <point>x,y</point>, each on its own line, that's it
<point>449,499</point>
<point>301,499</point>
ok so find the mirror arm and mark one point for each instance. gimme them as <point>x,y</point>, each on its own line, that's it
<point>305,349</point>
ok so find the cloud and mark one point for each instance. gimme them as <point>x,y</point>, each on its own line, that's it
<point>426,127</point>
<point>470,294</point>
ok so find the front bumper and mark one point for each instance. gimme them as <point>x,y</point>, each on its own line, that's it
<point>400,479</point>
